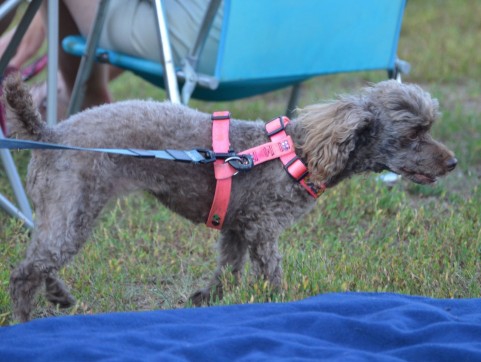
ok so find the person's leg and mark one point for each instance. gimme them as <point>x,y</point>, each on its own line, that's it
<point>7,19</point>
<point>97,87</point>
<point>77,17</point>
<point>30,44</point>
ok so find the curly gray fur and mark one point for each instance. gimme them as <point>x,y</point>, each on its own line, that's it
<point>384,127</point>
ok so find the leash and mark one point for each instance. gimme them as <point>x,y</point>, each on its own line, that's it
<point>196,156</point>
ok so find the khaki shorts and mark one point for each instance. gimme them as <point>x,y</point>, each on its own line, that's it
<point>131,28</point>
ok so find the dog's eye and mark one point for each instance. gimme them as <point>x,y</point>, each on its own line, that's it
<point>413,136</point>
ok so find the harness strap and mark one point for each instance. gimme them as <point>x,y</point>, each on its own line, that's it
<point>223,171</point>
<point>281,146</point>
<point>294,166</point>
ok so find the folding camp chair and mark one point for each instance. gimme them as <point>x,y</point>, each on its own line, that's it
<point>24,212</point>
<point>264,46</point>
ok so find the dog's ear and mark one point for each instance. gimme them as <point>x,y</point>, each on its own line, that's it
<point>330,135</point>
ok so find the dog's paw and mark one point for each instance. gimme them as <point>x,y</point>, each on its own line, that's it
<point>200,298</point>
<point>65,301</point>
<point>57,293</point>
<point>207,296</point>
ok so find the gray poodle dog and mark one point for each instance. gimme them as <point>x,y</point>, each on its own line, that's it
<point>383,127</point>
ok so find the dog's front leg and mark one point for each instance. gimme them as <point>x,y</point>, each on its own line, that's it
<point>232,247</point>
<point>266,260</point>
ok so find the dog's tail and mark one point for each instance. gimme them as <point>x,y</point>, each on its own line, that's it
<point>23,119</point>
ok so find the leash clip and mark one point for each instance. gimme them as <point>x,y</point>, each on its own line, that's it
<point>209,155</point>
<point>238,162</point>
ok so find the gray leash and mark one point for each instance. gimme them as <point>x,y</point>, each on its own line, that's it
<point>195,156</point>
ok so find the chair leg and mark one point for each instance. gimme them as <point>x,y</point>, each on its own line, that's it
<point>52,60</point>
<point>25,212</point>
<point>15,212</point>
<point>170,78</point>
<point>191,61</point>
<point>88,59</point>
<point>293,99</point>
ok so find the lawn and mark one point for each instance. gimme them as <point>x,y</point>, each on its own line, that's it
<point>362,235</point>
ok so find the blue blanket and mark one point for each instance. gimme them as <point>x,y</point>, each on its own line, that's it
<point>344,327</point>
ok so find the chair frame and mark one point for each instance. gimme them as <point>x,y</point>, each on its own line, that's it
<point>24,212</point>
<point>188,74</point>
<point>88,58</point>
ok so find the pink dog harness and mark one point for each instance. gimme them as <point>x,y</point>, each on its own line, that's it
<point>281,146</point>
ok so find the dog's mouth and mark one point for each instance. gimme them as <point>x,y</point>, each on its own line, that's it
<point>419,178</point>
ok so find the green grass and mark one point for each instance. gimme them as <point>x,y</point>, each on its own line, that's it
<point>362,235</point>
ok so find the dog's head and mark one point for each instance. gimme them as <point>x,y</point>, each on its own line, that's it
<point>385,127</point>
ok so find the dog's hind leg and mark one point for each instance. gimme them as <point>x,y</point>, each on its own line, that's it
<point>39,267</point>
<point>63,224</point>
<point>78,229</point>
<point>28,278</point>
<point>25,281</point>
<point>232,254</point>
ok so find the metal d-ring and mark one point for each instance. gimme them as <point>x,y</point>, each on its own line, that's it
<point>240,162</point>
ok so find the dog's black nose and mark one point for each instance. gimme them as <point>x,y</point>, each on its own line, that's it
<point>451,163</point>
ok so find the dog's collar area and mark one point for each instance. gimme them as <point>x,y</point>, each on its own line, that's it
<point>293,164</point>
<point>281,146</point>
